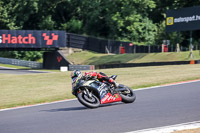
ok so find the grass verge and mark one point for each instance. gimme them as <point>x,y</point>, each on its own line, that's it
<point>188,131</point>
<point>91,58</point>
<point>17,90</point>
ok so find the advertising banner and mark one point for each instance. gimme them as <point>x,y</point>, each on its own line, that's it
<point>185,19</point>
<point>32,39</point>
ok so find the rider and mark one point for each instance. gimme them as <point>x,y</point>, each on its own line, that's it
<point>102,77</point>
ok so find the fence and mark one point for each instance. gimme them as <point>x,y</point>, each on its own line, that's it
<point>107,46</point>
<point>31,64</point>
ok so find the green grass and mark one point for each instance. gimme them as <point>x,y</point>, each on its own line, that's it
<point>92,58</point>
<point>83,57</point>
<point>17,90</point>
<point>33,88</point>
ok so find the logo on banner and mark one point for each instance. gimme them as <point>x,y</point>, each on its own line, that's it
<point>170,20</point>
<point>47,38</point>
<point>59,58</point>
<point>8,38</point>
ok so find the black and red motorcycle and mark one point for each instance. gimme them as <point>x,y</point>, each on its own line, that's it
<point>91,92</point>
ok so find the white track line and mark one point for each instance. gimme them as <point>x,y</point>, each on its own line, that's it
<point>169,129</point>
<point>141,89</point>
<point>172,84</point>
<point>7,67</point>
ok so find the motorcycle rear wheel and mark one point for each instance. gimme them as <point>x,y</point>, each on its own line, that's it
<point>92,102</point>
<point>128,96</point>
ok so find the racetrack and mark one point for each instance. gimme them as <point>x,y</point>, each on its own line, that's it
<point>155,107</point>
<point>17,71</point>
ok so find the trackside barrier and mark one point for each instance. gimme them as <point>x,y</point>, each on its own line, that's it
<point>122,65</point>
<point>81,67</point>
<point>31,64</point>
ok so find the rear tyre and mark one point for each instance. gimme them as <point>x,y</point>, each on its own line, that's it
<point>127,95</point>
<point>90,102</point>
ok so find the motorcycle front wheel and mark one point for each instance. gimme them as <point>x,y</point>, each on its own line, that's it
<point>88,100</point>
<point>127,94</point>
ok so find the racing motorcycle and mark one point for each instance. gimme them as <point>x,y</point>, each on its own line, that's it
<point>92,93</point>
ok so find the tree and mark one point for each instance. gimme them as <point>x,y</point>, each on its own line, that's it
<point>121,20</point>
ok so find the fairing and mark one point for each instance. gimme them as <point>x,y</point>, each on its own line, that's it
<point>109,98</point>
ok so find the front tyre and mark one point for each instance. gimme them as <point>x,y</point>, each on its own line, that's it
<point>90,101</point>
<point>127,94</point>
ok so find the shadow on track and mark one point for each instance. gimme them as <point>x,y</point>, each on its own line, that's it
<point>110,104</point>
<point>66,109</point>
<point>81,108</point>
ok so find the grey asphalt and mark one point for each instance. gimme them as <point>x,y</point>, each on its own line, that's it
<point>17,71</point>
<point>156,107</point>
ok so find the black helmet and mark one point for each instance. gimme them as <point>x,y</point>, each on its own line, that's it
<point>75,73</point>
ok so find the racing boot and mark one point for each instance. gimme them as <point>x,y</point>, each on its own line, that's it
<point>115,85</point>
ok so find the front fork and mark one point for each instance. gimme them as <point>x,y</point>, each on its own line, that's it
<point>122,90</point>
<point>86,92</point>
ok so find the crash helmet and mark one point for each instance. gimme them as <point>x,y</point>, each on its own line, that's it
<point>75,73</point>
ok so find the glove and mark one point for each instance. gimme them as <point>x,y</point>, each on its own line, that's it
<point>88,76</point>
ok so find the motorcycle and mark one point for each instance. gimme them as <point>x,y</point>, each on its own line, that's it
<point>92,93</point>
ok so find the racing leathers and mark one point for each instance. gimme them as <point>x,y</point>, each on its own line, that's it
<point>102,77</point>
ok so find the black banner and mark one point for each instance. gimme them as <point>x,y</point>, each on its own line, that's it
<point>184,19</point>
<point>32,39</point>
